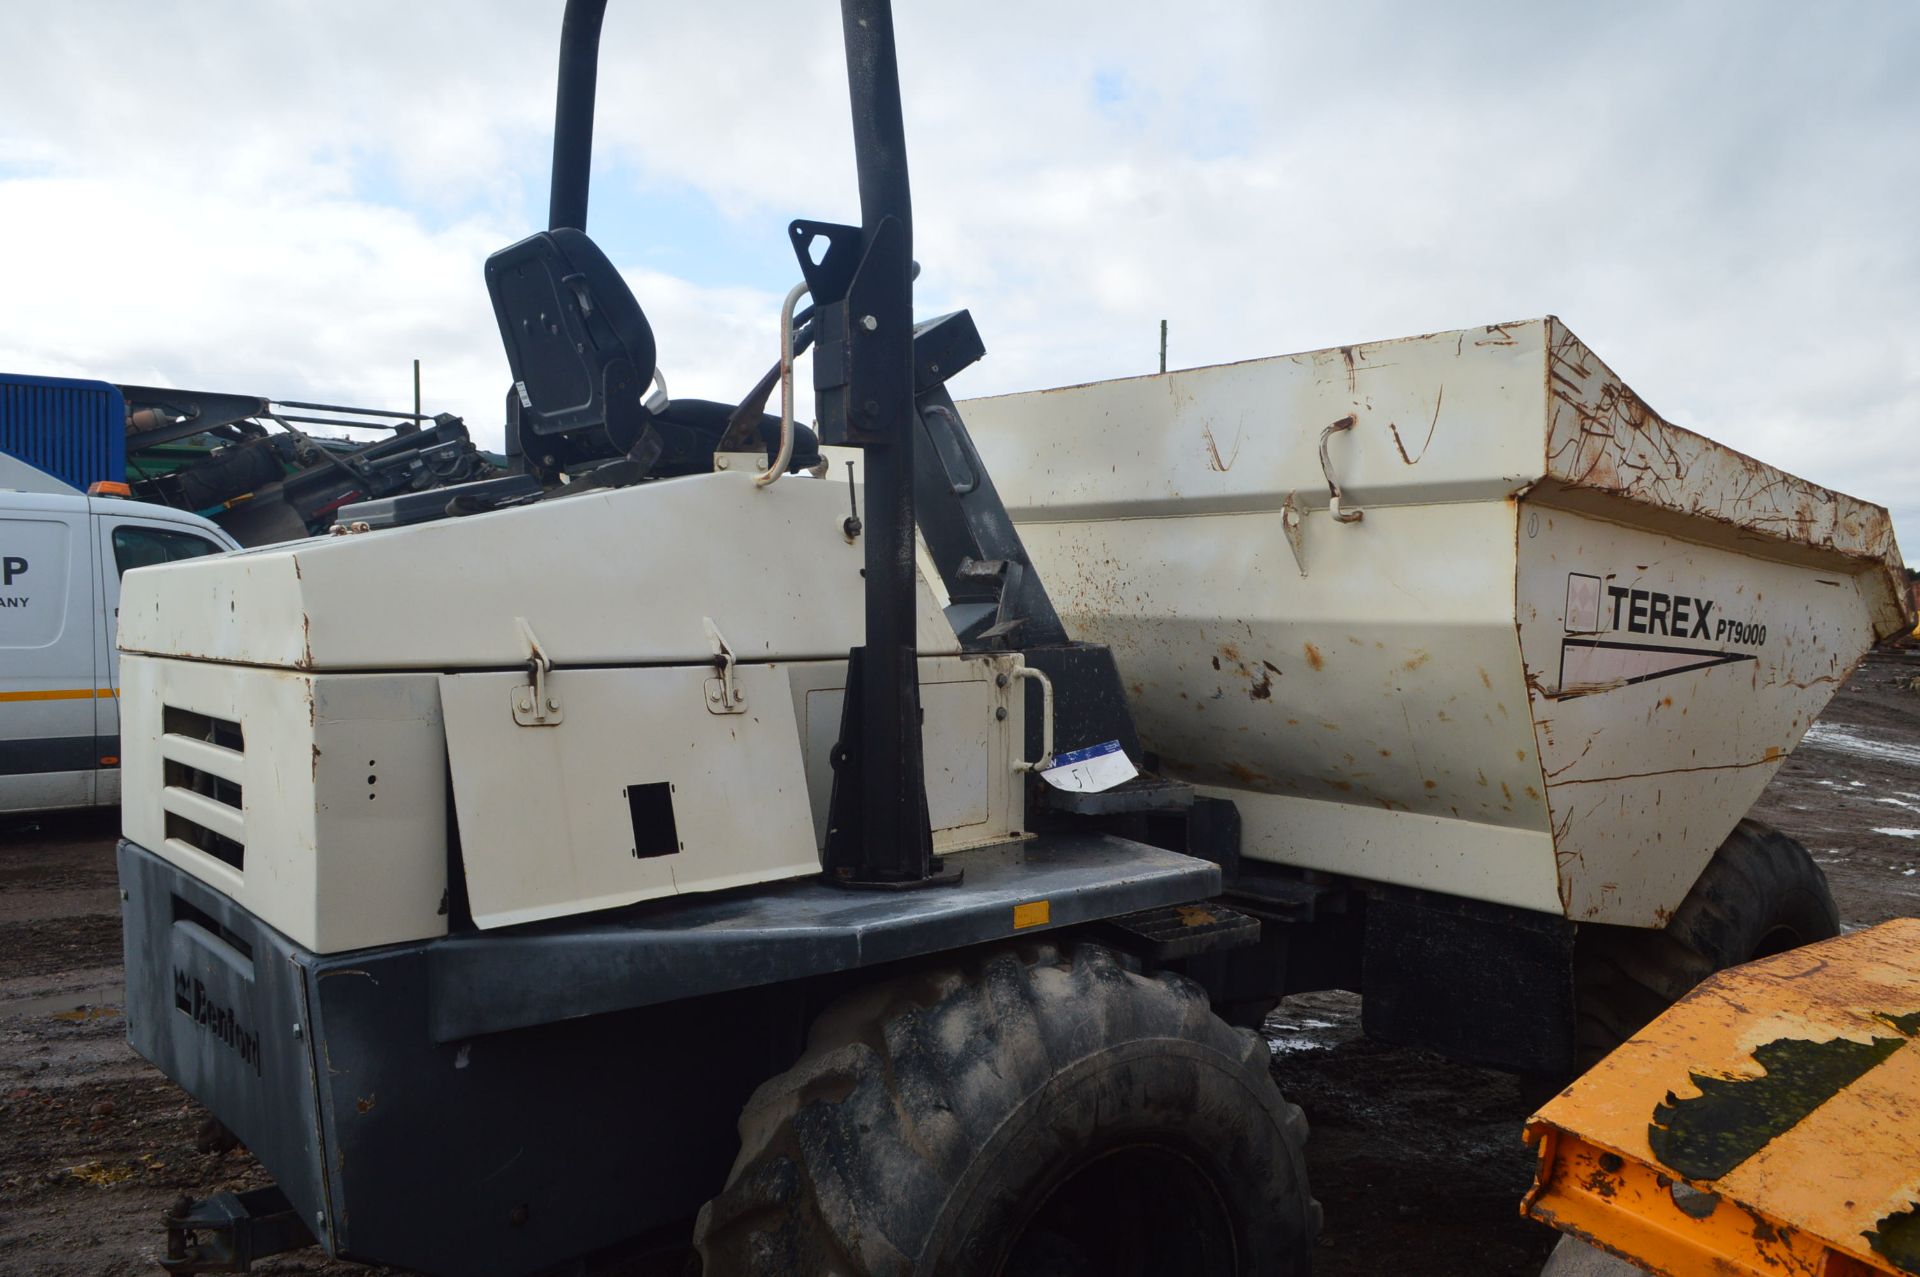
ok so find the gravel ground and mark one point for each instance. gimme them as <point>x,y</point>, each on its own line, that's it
<point>1418,1160</point>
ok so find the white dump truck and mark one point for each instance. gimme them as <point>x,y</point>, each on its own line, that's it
<point>845,876</point>
<point>1461,614</point>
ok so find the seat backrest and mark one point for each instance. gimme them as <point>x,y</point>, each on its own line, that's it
<point>580,347</point>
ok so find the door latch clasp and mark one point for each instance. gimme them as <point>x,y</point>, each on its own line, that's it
<point>535,702</point>
<point>724,696</point>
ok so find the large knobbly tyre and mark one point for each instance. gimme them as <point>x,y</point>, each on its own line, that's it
<point>1761,894</point>
<point>1040,1110</point>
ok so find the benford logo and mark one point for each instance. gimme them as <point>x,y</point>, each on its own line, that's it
<point>193,999</point>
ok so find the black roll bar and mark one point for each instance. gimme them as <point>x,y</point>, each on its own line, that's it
<point>878,829</point>
<point>573,113</point>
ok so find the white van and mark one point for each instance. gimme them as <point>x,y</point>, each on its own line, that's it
<point>61,559</point>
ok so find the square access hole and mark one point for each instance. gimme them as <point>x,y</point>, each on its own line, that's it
<point>650,807</point>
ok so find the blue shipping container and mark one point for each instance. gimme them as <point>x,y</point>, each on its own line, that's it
<point>76,431</point>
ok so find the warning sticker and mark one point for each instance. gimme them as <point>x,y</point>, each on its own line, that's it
<point>1090,770</point>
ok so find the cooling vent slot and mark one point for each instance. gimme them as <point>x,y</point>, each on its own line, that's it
<point>204,757</point>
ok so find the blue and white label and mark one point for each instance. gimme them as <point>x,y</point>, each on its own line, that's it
<point>1090,770</point>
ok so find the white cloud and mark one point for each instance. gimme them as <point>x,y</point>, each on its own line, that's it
<point>296,199</point>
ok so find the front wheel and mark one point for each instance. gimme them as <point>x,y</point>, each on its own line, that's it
<point>1761,894</point>
<point>1046,1112</point>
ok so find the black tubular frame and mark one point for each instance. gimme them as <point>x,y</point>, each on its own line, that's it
<point>573,113</point>
<point>894,846</point>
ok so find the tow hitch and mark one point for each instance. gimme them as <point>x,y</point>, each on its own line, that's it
<point>228,1231</point>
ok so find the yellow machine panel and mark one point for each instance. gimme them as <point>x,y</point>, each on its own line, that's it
<point>1769,1123</point>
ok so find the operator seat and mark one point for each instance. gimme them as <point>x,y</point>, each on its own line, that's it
<point>583,359</point>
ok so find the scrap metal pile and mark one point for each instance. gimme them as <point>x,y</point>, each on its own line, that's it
<point>255,467</point>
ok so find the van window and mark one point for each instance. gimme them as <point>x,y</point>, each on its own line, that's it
<point>138,547</point>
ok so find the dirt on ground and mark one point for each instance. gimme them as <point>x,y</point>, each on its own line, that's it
<point>1851,791</point>
<point>1417,1160</point>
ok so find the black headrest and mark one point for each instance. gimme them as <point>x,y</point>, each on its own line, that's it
<point>580,347</point>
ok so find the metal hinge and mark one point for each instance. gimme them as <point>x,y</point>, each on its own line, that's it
<point>723,695</point>
<point>535,702</point>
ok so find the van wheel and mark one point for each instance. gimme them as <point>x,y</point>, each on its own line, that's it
<point>1761,894</point>
<point>1045,1111</point>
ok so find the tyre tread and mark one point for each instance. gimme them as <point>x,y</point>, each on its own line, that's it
<point>1758,882</point>
<point>915,1072</point>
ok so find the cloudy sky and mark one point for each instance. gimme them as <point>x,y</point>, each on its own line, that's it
<point>295,199</point>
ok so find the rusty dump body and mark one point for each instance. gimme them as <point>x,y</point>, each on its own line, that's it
<point>1768,1123</point>
<point>1544,648</point>
<point>1604,444</point>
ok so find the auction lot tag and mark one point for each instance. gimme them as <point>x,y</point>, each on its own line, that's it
<point>1090,770</point>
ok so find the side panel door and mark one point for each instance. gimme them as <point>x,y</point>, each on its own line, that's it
<point>47,654</point>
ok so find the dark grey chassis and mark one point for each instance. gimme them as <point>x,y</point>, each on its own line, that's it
<point>492,1104</point>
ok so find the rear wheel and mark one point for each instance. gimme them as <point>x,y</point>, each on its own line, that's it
<point>1761,894</point>
<point>1044,1113</point>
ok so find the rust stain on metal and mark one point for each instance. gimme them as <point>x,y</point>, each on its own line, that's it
<point>1428,441</point>
<point>1214,460</point>
<point>1196,915</point>
<point>1314,658</point>
<point>1603,437</point>
<point>1604,1182</point>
